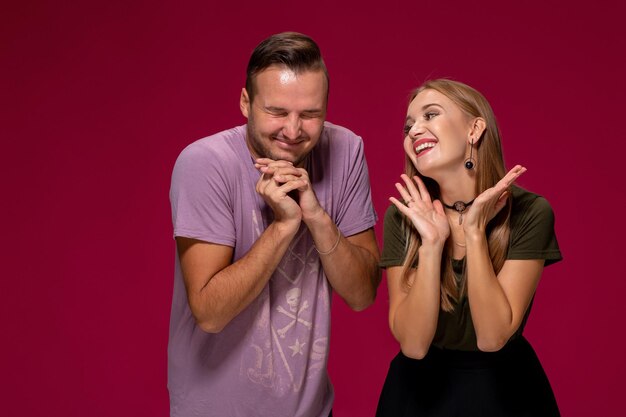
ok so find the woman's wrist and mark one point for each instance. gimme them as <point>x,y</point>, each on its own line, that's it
<point>474,235</point>
<point>428,249</point>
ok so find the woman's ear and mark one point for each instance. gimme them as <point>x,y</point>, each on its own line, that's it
<point>476,129</point>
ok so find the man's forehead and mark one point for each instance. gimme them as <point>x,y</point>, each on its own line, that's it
<point>282,87</point>
<point>286,76</point>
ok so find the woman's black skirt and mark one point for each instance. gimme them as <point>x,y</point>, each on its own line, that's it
<point>446,383</point>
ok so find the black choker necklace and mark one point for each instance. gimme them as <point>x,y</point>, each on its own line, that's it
<point>459,207</point>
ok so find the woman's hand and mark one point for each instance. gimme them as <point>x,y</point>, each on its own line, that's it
<point>427,216</point>
<point>490,202</point>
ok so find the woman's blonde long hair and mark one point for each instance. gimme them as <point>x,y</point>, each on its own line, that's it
<point>489,170</point>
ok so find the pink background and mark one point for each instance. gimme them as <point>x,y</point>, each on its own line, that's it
<point>98,98</point>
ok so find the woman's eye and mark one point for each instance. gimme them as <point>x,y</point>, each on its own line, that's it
<point>429,115</point>
<point>407,129</point>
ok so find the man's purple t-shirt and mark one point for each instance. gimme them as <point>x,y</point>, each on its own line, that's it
<point>271,359</point>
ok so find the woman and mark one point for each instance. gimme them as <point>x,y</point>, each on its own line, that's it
<point>464,252</point>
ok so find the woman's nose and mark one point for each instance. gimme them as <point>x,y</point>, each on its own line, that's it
<point>416,130</point>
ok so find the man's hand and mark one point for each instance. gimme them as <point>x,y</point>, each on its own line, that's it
<point>288,178</point>
<point>277,180</point>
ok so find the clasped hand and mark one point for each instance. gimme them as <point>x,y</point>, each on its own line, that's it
<point>278,179</point>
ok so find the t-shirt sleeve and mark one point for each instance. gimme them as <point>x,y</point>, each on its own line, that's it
<point>394,240</point>
<point>201,206</point>
<point>356,211</point>
<point>532,233</point>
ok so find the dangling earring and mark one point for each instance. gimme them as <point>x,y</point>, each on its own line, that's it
<point>470,162</point>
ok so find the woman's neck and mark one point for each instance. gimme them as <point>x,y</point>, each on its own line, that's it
<point>457,188</point>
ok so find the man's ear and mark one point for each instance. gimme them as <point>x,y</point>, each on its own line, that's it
<point>476,130</point>
<point>244,103</point>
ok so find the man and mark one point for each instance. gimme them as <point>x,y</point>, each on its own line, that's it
<point>268,218</point>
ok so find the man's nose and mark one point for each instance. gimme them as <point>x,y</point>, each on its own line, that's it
<point>293,127</point>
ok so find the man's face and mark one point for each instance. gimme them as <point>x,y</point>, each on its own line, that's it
<point>286,117</point>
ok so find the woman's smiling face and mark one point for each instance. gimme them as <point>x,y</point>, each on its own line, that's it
<point>437,133</point>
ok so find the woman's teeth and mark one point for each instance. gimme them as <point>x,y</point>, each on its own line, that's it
<point>423,146</point>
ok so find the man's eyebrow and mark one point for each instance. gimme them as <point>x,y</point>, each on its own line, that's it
<point>281,109</point>
<point>274,109</point>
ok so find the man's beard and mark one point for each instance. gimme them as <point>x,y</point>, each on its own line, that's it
<point>263,151</point>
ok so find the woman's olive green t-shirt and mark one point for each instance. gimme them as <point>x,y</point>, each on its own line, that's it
<point>532,237</point>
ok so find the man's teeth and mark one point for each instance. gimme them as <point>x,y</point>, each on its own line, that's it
<point>423,146</point>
